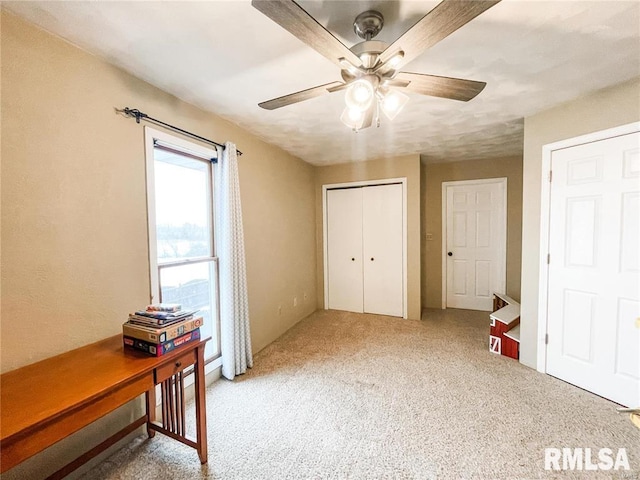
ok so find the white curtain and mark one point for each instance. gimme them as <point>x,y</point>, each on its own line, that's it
<point>235,337</point>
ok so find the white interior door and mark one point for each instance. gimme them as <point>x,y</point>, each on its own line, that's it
<point>344,249</point>
<point>475,243</point>
<point>594,242</point>
<point>382,240</point>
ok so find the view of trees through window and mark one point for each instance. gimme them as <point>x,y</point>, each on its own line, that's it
<point>187,268</point>
<point>182,241</point>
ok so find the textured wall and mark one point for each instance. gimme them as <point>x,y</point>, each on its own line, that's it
<point>407,166</point>
<point>604,109</point>
<point>74,234</point>
<point>432,176</point>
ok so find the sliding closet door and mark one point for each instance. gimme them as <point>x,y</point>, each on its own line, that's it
<point>382,247</point>
<point>344,252</point>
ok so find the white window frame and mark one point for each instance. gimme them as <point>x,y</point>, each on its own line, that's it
<point>151,136</point>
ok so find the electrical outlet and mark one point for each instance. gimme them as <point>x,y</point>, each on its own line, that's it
<point>295,301</point>
<point>429,236</point>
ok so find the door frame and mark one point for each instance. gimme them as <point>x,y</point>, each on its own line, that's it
<point>545,219</point>
<point>366,183</point>
<point>503,264</point>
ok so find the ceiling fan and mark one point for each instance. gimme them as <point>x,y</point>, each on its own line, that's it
<point>371,68</point>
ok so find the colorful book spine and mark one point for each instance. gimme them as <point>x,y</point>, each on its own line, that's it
<point>156,322</point>
<point>159,349</point>
<point>160,335</point>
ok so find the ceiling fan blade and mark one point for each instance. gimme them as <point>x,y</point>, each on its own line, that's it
<point>447,17</point>
<point>396,82</point>
<point>299,96</point>
<point>293,18</point>
<point>445,87</point>
<point>337,88</point>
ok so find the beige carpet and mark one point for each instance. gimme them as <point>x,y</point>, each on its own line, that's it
<point>355,396</point>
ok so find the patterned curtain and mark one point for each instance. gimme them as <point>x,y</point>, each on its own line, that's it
<point>235,337</point>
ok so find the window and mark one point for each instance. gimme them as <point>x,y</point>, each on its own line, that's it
<point>184,267</point>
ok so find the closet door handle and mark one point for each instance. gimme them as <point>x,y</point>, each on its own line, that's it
<point>353,259</point>
<point>450,254</point>
<point>372,259</point>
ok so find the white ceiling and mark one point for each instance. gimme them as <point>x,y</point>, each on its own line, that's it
<point>226,57</point>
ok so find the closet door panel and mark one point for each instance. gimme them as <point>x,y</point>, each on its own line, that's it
<point>382,218</point>
<point>344,252</point>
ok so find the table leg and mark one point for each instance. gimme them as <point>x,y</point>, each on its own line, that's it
<point>201,413</point>
<point>150,404</point>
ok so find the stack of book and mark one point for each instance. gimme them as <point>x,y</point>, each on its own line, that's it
<point>160,328</point>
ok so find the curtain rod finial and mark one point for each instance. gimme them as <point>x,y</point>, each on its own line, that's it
<point>132,112</point>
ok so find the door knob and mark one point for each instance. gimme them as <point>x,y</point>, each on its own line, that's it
<point>353,259</point>
<point>450,254</point>
<point>372,259</point>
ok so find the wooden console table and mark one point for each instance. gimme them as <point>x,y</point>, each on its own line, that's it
<point>44,402</point>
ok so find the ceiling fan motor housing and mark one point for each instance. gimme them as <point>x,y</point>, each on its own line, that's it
<point>368,52</point>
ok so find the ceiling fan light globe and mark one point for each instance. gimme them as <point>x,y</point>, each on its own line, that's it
<point>395,60</point>
<point>359,95</point>
<point>354,115</point>
<point>392,103</point>
<point>352,118</point>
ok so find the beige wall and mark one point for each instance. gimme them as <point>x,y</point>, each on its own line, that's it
<point>74,235</point>
<point>406,166</point>
<point>432,176</point>
<point>604,109</point>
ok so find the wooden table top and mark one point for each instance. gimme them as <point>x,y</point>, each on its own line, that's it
<point>44,390</point>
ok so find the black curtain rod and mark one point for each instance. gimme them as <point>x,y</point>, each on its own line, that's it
<point>138,115</point>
